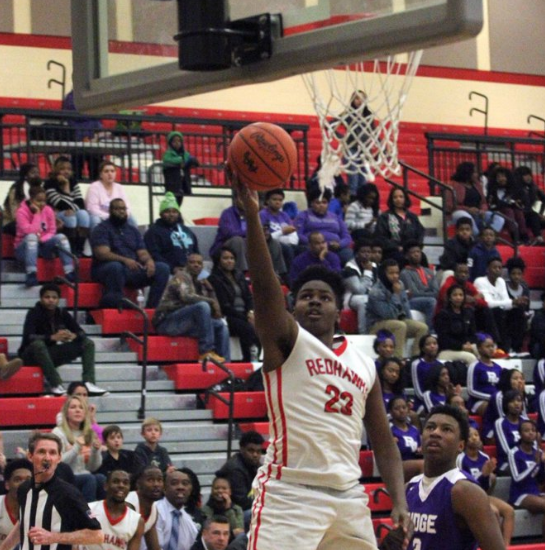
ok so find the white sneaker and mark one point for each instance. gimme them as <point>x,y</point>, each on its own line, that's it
<point>58,390</point>
<point>95,390</point>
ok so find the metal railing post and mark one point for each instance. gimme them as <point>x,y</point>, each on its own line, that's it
<point>75,285</point>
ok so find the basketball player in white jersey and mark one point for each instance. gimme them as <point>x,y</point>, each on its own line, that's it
<point>15,474</point>
<point>123,527</point>
<point>318,391</point>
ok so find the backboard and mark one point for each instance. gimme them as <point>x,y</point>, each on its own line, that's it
<point>125,54</point>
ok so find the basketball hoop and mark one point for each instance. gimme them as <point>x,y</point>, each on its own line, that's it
<point>359,109</point>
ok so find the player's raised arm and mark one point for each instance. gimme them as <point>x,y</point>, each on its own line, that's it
<point>275,326</point>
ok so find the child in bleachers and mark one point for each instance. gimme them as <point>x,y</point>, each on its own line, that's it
<point>439,387</point>
<point>177,163</point>
<point>474,461</point>
<point>457,249</point>
<point>361,215</point>
<point>483,375</point>
<point>507,429</point>
<point>456,400</point>
<point>510,379</point>
<point>516,318</point>
<point>149,451</point>
<point>421,367</point>
<point>390,375</point>
<point>482,253</point>
<point>384,346</point>
<point>406,436</point>
<point>117,458</point>
<point>527,472</point>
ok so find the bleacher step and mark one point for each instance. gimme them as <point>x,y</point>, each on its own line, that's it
<point>157,401</point>
<point>26,303</point>
<point>122,417</point>
<point>202,464</point>
<point>112,357</point>
<point>113,373</point>
<point>14,329</point>
<point>178,432</point>
<point>13,277</point>
<point>101,344</point>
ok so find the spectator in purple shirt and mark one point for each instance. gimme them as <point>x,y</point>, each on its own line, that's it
<point>317,254</point>
<point>317,218</point>
<point>232,233</point>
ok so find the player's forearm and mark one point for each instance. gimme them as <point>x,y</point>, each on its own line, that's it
<point>390,467</point>
<point>83,536</point>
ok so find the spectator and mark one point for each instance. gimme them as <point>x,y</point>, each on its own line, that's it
<point>361,215</point>
<point>102,192</point>
<point>81,448</point>
<point>359,275</point>
<point>419,281</point>
<point>390,374</point>
<point>501,198</point>
<point>64,196</point>
<point>406,436</point>
<point>191,488</point>
<point>527,194</point>
<point>457,249</point>
<point>439,388</point>
<point>526,466</point>
<point>149,450</point>
<point>52,337</point>
<point>510,379</point>
<point>398,224</point>
<point>149,489</point>
<point>189,307</point>
<point>80,389</point>
<point>242,467</point>
<point>169,240</point>
<point>215,534</point>
<point>37,235</point>
<point>117,458</point>
<point>494,290</point>
<point>482,252</point>
<point>15,474</point>
<point>232,233</point>
<point>120,259</point>
<point>177,164</point>
<point>317,219</point>
<point>537,332</point>
<point>317,254</point>
<point>340,201</point>
<point>29,176</point>
<point>175,527</point>
<point>482,376</point>
<point>455,326</point>
<point>383,346</point>
<point>377,248</point>
<point>470,199</point>
<point>280,224</point>
<point>313,182</point>
<point>236,301</point>
<point>507,429</point>
<point>421,367</point>
<point>517,317</point>
<point>388,308</point>
<point>221,503</point>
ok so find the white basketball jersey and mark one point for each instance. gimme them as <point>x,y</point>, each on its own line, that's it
<point>316,403</point>
<point>6,520</point>
<point>117,532</point>
<point>132,498</point>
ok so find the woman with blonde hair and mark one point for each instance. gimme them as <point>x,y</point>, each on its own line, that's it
<point>81,448</point>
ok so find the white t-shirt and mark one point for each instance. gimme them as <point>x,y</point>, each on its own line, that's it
<point>6,520</point>
<point>316,402</point>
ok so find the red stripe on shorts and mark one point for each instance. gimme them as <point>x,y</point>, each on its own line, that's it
<point>258,514</point>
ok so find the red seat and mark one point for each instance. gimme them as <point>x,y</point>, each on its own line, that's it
<point>115,322</point>
<point>168,348</point>
<point>89,294</point>
<point>478,420</point>
<point>29,411</point>
<point>206,221</point>
<point>381,532</point>
<point>259,427</point>
<point>490,450</point>
<point>367,463</point>
<point>8,248</point>
<point>49,269</point>
<point>379,500</point>
<point>246,405</point>
<point>190,376</point>
<point>349,321</point>
<point>26,381</point>
<point>4,345</point>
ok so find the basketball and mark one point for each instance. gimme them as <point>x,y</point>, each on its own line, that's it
<point>263,156</point>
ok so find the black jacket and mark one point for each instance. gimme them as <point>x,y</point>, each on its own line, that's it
<point>241,478</point>
<point>456,251</point>
<point>454,329</point>
<point>41,325</point>
<point>225,293</point>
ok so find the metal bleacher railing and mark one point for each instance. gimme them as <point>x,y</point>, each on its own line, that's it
<point>132,142</point>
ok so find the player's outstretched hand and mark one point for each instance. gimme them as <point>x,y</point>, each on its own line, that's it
<point>403,524</point>
<point>247,196</point>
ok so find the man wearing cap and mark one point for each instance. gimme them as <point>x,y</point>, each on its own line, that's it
<point>168,240</point>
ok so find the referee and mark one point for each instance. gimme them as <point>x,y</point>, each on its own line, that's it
<point>53,514</point>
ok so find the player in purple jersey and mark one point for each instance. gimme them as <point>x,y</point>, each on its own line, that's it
<point>483,375</point>
<point>449,509</point>
<point>420,368</point>
<point>282,504</point>
<point>527,472</point>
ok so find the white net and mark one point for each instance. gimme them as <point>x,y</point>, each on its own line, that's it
<point>359,109</point>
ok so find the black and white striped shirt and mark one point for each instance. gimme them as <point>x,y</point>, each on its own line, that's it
<point>55,506</point>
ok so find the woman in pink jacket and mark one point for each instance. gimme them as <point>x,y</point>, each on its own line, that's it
<point>37,234</point>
